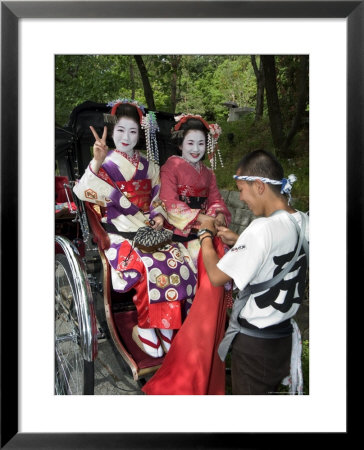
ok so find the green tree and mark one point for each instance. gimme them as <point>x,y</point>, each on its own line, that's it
<point>148,91</point>
<point>259,74</point>
<point>286,111</point>
<point>99,78</point>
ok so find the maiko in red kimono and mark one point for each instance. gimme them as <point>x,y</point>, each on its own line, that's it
<point>187,191</point>
<point>192,365</point>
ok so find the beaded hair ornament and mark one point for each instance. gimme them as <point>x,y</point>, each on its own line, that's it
<point>213,133</point>
<point>148,123</point>
<point>285,182</point>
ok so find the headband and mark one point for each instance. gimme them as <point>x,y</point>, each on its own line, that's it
<point>285,182</point>
<point>213,133</point>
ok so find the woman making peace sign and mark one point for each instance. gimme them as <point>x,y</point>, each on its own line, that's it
<point>127,185</point>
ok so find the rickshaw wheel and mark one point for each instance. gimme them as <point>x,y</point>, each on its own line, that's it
<point>73,374</point>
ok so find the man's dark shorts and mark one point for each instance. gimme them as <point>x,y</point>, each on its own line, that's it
<point>259,365</point>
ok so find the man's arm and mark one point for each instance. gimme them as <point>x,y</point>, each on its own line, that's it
<point>209,255</point>
<point>227,236</point>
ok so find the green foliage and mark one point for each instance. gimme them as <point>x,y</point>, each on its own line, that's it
<point>99,78</point>
<point>242,136</point>
<point>207,81</point>
<point>305,360</point>
<point>204,83</point>
<point>287,84</point>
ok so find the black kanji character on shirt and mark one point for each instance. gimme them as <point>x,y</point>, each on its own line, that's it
<point>294,287</point>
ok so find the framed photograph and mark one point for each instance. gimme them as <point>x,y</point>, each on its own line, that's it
<point>331,32</point>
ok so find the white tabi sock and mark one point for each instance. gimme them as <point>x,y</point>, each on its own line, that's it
<point>166,336</point>
<point>144,335</point>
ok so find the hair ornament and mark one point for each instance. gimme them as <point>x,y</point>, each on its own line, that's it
<point>182,118</point>
<point>114,104</point>
<point>213,150</point>
<point>213,134</point>
<point>285,182</point>
<point>117,102</point>
<point>150,126</point>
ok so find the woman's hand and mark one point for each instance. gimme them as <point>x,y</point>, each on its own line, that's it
<point>220,220</point>
<point>158,222</point>
<point>202,217</point>
<point>100,147</point>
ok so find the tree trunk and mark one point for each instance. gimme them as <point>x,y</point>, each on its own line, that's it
<point>148,91</point>
<point>132,78</point>
<point>175,60</point>
<point>259,74</point>
<point>301,101</point>
<point>274,112</point>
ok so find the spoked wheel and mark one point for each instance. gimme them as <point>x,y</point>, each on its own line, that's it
<point>73,374</point>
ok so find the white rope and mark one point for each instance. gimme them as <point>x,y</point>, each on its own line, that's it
<point>295,378</point>
<point>250,178</point>
<point>285,182</point>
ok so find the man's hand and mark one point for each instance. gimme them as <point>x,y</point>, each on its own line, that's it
<point>206,222</point>
<point>227,236</point>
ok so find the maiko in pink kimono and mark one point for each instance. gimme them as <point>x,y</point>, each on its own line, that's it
<point>189,193</point>
<point>188,187</point>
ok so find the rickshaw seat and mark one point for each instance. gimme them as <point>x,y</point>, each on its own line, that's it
<point>60,191</point>
<point>100,236</point>
<point>121,322</point>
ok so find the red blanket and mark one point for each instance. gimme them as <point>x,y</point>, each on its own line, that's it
<point>192,365</point>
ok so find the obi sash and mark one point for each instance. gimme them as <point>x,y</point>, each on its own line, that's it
<point>195,198</point>
<point>138,192</point>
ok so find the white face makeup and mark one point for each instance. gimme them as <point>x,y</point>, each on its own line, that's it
<point>126,134</point>
<point>193,146</point>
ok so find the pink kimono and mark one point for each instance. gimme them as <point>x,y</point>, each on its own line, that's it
<point>186,192</point>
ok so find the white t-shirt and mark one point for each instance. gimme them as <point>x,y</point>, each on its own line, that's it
<point>260,253</point>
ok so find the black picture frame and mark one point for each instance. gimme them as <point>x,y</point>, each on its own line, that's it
<point>11,12</point>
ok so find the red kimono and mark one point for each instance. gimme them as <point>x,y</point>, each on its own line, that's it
<point>187,191</point>
<point>192,365</point>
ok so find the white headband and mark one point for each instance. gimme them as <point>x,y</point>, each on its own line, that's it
<point>285,182</point>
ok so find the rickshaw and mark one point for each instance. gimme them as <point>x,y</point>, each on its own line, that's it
<point>86,307</point>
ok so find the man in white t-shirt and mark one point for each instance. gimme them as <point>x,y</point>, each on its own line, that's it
<point>268,264</point>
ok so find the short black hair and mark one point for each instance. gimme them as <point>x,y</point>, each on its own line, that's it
<point>261,163</point>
